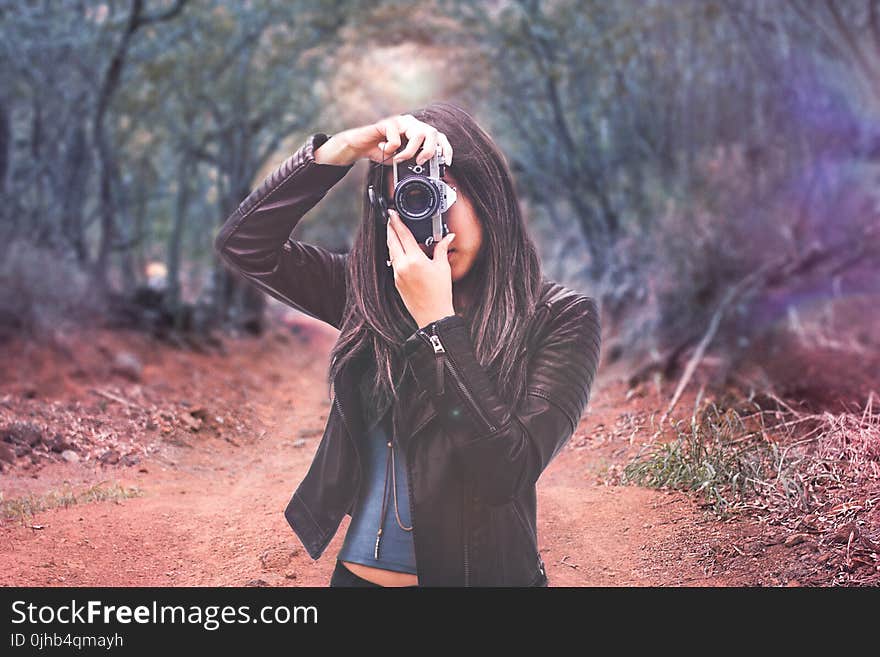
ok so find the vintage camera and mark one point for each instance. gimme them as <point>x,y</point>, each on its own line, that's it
<point>420,197</point>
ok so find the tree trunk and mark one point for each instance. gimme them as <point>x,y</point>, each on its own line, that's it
<point>185,169</point>
<point>236,300</point>
<point>76,171</point>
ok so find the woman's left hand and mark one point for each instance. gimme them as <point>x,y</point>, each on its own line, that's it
<point>424,284</point>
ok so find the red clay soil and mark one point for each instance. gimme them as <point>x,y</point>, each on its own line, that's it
<point>217,442</point>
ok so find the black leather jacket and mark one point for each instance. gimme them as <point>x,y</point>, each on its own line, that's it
<point>473,460</point>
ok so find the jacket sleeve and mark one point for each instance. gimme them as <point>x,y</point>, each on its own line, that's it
<point>504,448</point>
<point>255,240</point>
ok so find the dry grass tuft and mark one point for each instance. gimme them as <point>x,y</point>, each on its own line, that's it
<point>813,473</point>
<point>25,507</point>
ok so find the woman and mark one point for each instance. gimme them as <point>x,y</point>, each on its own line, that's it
<point>460,371</point>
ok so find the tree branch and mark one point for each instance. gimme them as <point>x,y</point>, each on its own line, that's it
<point>168,14</point>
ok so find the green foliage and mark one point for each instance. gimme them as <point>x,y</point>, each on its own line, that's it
<point>714,454</point>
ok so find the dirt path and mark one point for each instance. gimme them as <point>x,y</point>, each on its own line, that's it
<point>211,512</point>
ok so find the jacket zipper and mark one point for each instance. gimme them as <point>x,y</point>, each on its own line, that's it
<point>439,350</point>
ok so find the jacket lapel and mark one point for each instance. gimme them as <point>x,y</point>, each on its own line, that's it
<point>409,417</point>
<point>345,392</point>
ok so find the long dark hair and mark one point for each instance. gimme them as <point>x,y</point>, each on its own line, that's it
<point>507,271</point>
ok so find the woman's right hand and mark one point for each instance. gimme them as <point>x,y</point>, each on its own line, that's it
<point>369,141</point>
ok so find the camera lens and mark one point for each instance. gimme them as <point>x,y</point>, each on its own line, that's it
<point>416,198</point>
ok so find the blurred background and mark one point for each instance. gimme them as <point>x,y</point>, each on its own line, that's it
<point>707,169</point>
